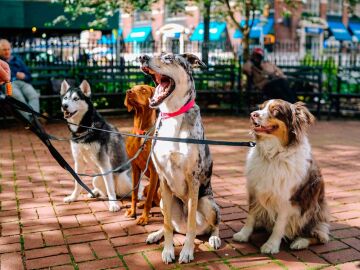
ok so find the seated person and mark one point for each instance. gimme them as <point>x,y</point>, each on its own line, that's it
<point>267,77</point>
<point>21,78</point>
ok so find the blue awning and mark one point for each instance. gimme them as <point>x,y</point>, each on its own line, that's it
<point>339,31</point>
<point>139,34</point>
<point>355,28</point>
<point>216,30</point>
<point>314,30</point>
<point>258,26</point>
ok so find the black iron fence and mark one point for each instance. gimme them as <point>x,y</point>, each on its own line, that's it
<point>112,67</point>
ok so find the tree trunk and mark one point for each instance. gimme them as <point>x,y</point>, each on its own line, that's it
<point>246,32</point>
<point>205,45</point>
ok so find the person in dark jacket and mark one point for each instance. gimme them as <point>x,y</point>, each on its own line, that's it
<point>21,78</point>
<point>267,77</point>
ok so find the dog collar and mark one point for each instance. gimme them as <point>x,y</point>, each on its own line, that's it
<point>138,131</point>
<point>182,110</point>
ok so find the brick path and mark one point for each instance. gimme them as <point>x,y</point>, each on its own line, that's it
<point>39,231</point>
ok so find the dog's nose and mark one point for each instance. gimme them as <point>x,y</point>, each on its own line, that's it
<point>65,106</point>
<point>254,115</point>
<point>144,58</point>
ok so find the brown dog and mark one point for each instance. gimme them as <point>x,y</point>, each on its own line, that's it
<point>137,99</point>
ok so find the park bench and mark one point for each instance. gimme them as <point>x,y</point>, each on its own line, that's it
<point>344,93</point>
<point>216,86</point>
<point>304,80</point>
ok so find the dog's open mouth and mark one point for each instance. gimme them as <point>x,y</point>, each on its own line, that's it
<point>164,86</point>
<point>69,114</point>
<point>264,129</point>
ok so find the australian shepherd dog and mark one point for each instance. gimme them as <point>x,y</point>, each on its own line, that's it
<point>284,183</point>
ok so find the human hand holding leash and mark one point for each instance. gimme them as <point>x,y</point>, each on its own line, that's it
<point>4,72</point>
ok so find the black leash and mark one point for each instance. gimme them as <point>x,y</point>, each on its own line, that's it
<point>24,107</point>
<point>38,130</point>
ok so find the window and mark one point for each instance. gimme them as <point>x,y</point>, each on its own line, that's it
<point>142,16</point>
<point>312,7</point>
<point>334,7</point>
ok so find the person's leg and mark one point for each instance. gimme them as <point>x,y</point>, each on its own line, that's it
<point>31,95</point>
<point>17,94</point>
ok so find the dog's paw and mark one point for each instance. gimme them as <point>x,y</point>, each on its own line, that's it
<point>242,236</point>
<point>130,213</point>
<point>215,242</point>
<point>186,254</point>
<point>168,255</point>
<point>270,248</point>
<point>69,199</point>
<point>142,220</point>
<point>154,237</point>
<point>95,191</point>
<point>300,243</point>
<point>322,236</point>
<point>114,207</point>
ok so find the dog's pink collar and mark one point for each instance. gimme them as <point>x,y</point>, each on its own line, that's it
<point>182,110</point>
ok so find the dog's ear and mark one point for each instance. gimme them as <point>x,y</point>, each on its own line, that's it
<point>85,88</point>
<point>302,119</point>
<point>127,104</point>
<point>193,60</point>
<point>64,87</point>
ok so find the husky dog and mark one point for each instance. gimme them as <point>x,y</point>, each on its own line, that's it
<point>184,170</point>
<point>104,150</point>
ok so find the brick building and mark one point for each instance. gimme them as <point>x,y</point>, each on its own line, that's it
<point>302,24</point>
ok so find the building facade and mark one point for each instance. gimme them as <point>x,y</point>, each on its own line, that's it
<point>298,24</point>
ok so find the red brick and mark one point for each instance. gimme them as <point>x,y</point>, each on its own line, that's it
<point>86,219</point>
<point>11,228</point>
<point>41,228</point>
<point>63,267</point>
<point>10,239</point>
<point>68,222</point>
<point>311,259</point>
<point>82,252</point>
<point>53,238</point>
<point>136,261</point>
<point>243,248</point>
<point>11,261</point>
<point>342,256</point>
<point>48,261</point>
<point>82,230</point>
<point>10,248</point>
<point>45,252</point>
<point>349,266</point>
<point>346,233</point>
<point>353,242</point>
<point>33,240</point>
<point>101,264</point>
<point>85,238</point>
<point>126,240</point>
<point>128,249</point>
<point>330,246</point>
<point>103,249</point>
<point>227,252</point>
<point>247,261</point>
<point>114,230</point>
<point>8,216</point>
<point>216,266</point>
<point>290,261</point>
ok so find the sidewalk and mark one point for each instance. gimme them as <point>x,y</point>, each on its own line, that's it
<point>39,231</point>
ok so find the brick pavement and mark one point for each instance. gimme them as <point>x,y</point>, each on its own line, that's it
<point>39,231</point>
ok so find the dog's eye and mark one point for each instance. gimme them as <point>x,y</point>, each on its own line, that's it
<point>76,98</point>
<point>65,98</point>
